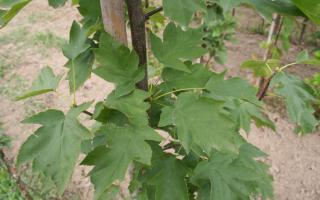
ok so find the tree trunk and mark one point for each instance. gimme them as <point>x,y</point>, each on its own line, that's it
<point>138,35</point>
<point>113,13</point>
<point>274,31</point>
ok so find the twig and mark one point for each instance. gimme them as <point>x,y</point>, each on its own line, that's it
<point>153,12</point>
<point>13,173</point>
<point>88,113</point>
<point>264,88</point>
<point>275,29</point>
<point>303,30</point>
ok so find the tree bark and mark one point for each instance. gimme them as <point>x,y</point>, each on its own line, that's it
<point>113,13</point>
<point>138,35</point>
<point>274,31</point>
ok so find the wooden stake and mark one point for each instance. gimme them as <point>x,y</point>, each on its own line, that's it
<point>113,13</point>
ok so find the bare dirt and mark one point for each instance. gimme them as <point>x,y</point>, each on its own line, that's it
<point>295,161</point>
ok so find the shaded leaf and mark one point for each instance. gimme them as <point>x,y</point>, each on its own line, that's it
<point>230,176</point>
<point>200,123</point>
<point>57,3</point>
<point>234,87</point>
<point>167,175</point>
<point>80,70</point>
<point>298,98</point>
<point>196,78</point>
<point>133,106</point>
<point>91,12</point>
<point>267,7</point>
<point>244,112</point>
<point>124,145</point>
<point>311,8</point>
<point>182,11</point>
<point>117,64</point>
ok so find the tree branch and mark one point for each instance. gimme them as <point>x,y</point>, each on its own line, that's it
<point>88,113</point>
<point>138,35</point>
<point>153,12</point>
<point>13,173</point>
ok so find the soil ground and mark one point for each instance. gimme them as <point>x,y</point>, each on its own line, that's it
<point>34,39</point>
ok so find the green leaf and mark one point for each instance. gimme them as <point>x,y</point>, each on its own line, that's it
<point>57,3</point>
<point>91,11</point>
<point>234,87</point>
<point>80,69</point>
<point>228,5</point>
<point>117,64</point>
<point>167,175</point>
<point>182,11</point>
<point>54,148</point>
<point>261,68</point>
<point>78,42</point>
<point>45,82</point>
<point>201,123</point>
<point>11,9</point>
<point>267,7</point>
<point>124,145</point>
<point>133,106</point>
<point>298,98</point>
<point>244,112</point>
<point>196,78</point>
<point>311,8</point>
<point>302,56</point>
<point>230,176</point>
<point>177,45</point>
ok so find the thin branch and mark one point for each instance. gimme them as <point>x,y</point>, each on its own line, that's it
<point>88,113</point>
<point>153,12</point>
<point>264,88</point>
<point>13,173</point>
<point>174,91</point>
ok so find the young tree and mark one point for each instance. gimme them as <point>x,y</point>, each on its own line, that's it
<point>202,111</point>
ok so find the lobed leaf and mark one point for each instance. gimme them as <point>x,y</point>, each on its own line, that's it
<point>125,144</point>
<point>9,9</point>
<point>167,175</point>
<point>182,11</point>
<point>91,11</point>
<point>201,124</point>
<point>231,176</point>
<point>78,42</point>
<point>57,3</point>
<point>298,98</point>
<point>310,8</point>
<point>117,64</point>
<point>54,148</point>
<point>177,45</point>
<point>45,82</point>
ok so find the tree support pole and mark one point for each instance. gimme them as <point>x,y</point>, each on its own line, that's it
<point>113,13</point>
<point>138,35</point>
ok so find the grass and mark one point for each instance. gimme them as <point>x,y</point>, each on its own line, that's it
<point>19,35</point>
<point>39,17</point>
<point>9,189</point>
<point>48,40</point>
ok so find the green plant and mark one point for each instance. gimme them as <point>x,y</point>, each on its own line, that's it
<point>205,156</point>
<point>48,40</point>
